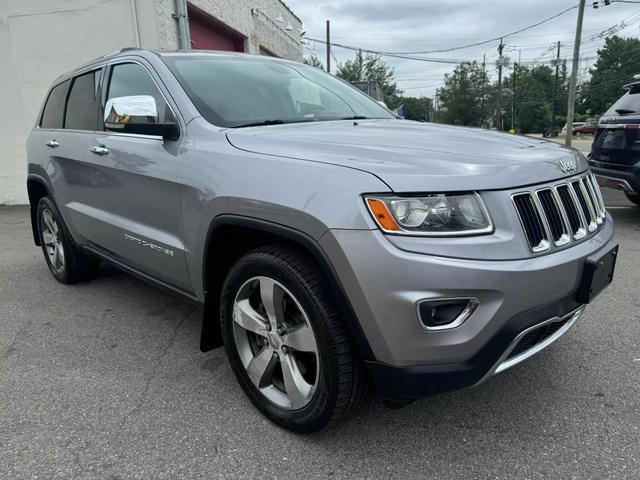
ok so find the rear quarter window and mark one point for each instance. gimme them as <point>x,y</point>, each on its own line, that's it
<point>53,113</point>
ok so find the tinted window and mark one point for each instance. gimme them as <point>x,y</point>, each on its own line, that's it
<point>82,106</point>
<point>130,79</point>
<point>628,103</point>
<point>232,92</point>
<point>54,108</point>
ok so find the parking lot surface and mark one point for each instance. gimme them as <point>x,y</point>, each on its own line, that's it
<point>105,380</point>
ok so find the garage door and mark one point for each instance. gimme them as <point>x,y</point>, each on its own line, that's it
<point>207,33</point>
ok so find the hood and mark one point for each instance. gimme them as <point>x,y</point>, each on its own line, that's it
<point>416,157</point>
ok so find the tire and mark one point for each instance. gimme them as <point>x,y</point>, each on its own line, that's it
<point>329,382</point>
<point>65,261</point>
<point>633,198</point>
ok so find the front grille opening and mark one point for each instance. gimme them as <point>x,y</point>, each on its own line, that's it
<point>582,200</point>
<point>570,207</point>
<point>552,212</point>
<point>531,222</point>
<point>536,336</point>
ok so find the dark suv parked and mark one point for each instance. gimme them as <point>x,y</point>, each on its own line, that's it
<point>615,153</point>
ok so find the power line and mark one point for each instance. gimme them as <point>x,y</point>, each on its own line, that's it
<point>450,49</point>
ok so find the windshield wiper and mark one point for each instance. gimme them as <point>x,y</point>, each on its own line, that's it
<point>258,124</point>
<point>355,117</point>
<point>623,111</point>
<point>275,121</point>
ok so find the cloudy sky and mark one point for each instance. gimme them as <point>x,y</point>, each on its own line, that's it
<point>427,25</point>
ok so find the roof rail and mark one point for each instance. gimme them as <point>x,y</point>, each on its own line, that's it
<point>125,49</point>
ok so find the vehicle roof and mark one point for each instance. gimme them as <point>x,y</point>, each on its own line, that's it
<point>163,53</point>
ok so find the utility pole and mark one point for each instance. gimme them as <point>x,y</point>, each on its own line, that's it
<point>328,47</point>
<point>484,75</point>
<point>499,119</point>
<point>513,97</point>
<point>555,89</point>
<point>574,74</point>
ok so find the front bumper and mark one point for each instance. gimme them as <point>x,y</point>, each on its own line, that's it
<point>495,357</point>
<point>384,284</point>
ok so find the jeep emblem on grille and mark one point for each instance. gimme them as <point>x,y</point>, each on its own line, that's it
<point>568,166</point>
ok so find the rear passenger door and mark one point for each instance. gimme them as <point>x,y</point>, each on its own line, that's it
<point>128,203</point>
<point>69,116</point>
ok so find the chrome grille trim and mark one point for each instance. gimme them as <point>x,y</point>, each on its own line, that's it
<point>585,205</point>
<point>556,214</point>
<point>560,213</point>
<point>598,194</point>
<point>533,223</point>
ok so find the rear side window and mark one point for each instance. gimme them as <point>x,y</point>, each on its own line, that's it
<point>82,106</point>
<point>53,113</point>
<point>628,103</point>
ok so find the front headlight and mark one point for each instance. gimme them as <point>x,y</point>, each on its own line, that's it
<point>433,214</point>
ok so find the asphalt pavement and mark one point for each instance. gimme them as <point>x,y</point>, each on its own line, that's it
<point>105,380</point>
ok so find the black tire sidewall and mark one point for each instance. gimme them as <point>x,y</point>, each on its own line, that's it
<point>319,410</point>
<point>46,203</point>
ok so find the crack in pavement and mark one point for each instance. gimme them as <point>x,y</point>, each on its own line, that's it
<point>153,373</point>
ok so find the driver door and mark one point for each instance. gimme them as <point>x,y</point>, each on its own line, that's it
<point>131,209</point>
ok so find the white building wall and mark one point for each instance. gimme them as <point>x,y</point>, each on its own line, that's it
<point>40,40</point>
<point>260,26</point>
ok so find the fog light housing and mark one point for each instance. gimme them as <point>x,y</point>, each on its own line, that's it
<point>445,313</point>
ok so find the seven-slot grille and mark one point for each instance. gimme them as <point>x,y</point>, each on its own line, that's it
<point>561,213</point>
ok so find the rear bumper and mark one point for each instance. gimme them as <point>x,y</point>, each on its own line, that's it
<point>623,177</point>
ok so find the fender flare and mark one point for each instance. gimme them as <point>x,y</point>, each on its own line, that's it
<point>211,336</point>
<point>34,178</point>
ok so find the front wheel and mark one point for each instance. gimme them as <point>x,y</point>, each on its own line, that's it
<point>635,198</point>
<point>286,342</point>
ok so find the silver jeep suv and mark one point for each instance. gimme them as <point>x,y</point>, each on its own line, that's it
<point>332,245</point>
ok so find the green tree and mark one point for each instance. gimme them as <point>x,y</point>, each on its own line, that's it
<point>415,108</point>
<point>313,61</point>
<point>618,61</point>
<point>463,97</point>
<point>371,68</point>
<point>533,99</point>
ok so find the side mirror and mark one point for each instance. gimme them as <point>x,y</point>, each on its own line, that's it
<point>137,114</point>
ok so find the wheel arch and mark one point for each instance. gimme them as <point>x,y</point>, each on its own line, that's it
<point>230,236</point>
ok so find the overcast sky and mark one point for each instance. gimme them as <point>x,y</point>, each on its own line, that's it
<point>425,25</point>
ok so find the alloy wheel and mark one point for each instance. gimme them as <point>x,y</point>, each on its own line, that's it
<point>51,236</point>
<point>276,343</point>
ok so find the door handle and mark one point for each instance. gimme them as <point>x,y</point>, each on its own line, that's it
<point>52,144</point>
<point>99,150</point>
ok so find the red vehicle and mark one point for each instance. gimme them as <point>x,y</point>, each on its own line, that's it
<point>587,128</point>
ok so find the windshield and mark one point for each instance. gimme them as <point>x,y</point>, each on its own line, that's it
<point>628,103</point>
<point>231,91</point>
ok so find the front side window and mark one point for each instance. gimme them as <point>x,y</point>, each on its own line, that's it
<point>53,113</point>
<point>233,91</point>
<point>131,82</point>
<point>82,105</point>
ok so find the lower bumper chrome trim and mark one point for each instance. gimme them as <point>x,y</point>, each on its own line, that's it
<point>504,362</point>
